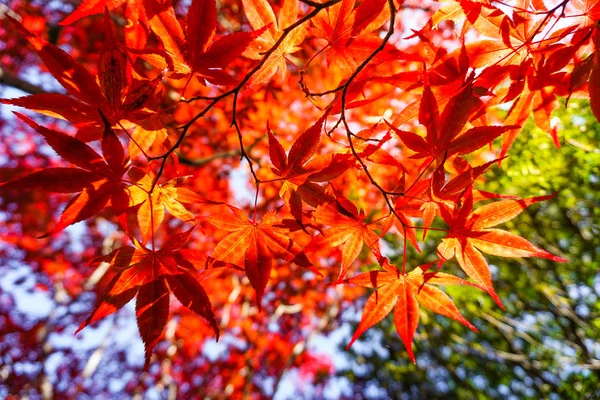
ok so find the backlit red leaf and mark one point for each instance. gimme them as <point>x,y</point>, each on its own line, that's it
<point>152,312</point>
<point>193,296</point>
<point>201,26</point>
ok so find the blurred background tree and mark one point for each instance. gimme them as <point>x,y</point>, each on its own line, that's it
<point>547,342</point>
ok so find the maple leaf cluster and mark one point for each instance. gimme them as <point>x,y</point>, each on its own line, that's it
<point>348,124</point>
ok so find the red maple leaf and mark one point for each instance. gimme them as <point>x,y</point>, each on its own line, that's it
<point>97,178</point>
<point>152,275</point>
<point>117,96</point>
<point>350,31</point>
<point>445,137</point>
<point>196,51</point>
<point>301,171</point>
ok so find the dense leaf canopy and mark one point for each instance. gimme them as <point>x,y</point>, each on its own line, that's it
<point>242,170</point>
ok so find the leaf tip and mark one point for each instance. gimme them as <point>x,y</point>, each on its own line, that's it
<point>316,271</point>
<point>259,302</point>
<point>215,326</point>
<point>147,357</point>
<point>496,299</point>
<point>83,325</point>
<point>354,338</point>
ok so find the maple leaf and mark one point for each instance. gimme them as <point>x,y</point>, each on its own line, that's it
<point>253,245</point>
<point>439,191</point>
<point>349,228</point>
<point>260,16</point>
<point>293,165</point>
<point>405,291</point>
<point>444,138</point>
<point>98,179</point>
<point>349,31</point>
<point>152,275</point>
<point>152,201</point>
<point>594,85</point>
<point>117,97</point>
<point>471,232</point>
<point>196,51</point>
<point>301,172</point>
<point>135,28</point>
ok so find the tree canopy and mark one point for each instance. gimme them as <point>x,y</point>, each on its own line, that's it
<point>231,175</point>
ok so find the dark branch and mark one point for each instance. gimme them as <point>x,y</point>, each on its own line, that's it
<point>9,79</point>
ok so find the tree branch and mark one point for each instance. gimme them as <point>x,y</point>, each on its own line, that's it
<point>9,79</point>
<point>199,162</point>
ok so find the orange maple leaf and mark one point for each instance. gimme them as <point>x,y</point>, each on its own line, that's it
<point>349,229</point>
<point>168,195</point>
<point>350,32</point>
<point>471,232</point>
<point>445,137</point>
<point>261,15</point>
<point>405,291</point>
<point>301,171</point>
<point>253,245</point>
